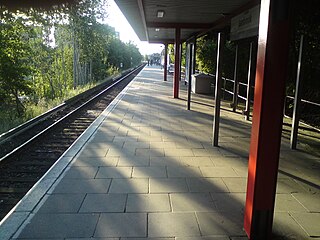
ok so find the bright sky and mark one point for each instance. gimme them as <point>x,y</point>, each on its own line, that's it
<point>117,20</point>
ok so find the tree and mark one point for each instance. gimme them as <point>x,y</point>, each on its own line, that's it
<point>14,69</point>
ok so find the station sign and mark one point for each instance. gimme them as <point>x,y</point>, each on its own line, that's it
<point>246,24</point>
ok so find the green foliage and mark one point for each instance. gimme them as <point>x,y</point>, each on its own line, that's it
<point>36,67</point>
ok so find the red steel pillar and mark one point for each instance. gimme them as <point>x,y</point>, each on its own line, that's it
<point>271,74</point>
<point>165,67</point>
<point>176,64</point>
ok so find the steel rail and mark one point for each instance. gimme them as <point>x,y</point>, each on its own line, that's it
<point>67,115</point>
<point>32,122</point>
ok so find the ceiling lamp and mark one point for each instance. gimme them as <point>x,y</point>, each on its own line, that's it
<point>160,13</point>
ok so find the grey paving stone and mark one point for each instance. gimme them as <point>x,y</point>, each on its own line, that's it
<point>229,201</point>
<point>171,185</point>
<point>149,172</point>
<point>286,202</point>
<point>138,185</point>
<point>172,225</point>
<point>310,222</point>
<point>163,145</point>
<point>288,185</point>
<point>285,227</point>
<point>82,186</point>
<point>95,162</point>
<point>165,161</point>
<point>11,224</point>
<point>147,238</point>
<point>60,226</point>
<point>310,201</point>
<point>104,203</point>
<point>62,203</point>
<point>92,238</point>
<point>204,238</point>
<point>236,184</point>
<point>181,152</point>
<point>222,223</point>
<point>148,203</point>
<point>81,172</point>
<point>206,185</point>
<point>218,172</point>
<point>187,202</point>
<point>114,172</point>
<point>158,152</point>
<point>122,225</point>
<point>92,152</point>
<point>183,172</point>
<point>133,161</point>
<point>196,161</point>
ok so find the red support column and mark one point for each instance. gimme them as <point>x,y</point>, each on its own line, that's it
<point>271,74</point>
<point>165,67</point>
<point>176,64</point>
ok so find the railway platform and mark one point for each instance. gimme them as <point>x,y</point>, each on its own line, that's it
<point>146,169</point>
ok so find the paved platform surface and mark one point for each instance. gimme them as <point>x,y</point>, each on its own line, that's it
<point>147,170</point>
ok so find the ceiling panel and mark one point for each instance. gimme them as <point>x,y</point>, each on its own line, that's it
<point>192,16</point>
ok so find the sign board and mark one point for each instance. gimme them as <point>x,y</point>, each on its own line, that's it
<point>246,24</point>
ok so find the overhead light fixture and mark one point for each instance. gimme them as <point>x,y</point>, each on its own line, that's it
<point>160,13</point>
<point>157,29</point>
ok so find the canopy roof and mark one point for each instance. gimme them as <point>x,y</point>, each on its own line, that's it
<point>191,16</point>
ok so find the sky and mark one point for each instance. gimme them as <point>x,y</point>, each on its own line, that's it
<point>117,20</point>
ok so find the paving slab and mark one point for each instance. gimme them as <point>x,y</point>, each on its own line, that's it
<point>148,203</point>
<point>223,223</point>
<point>310,201</point>
<point>138,185</point>
<point>81,172</point>
<point>95,162</point>
<point>188,202</point>
<point>149,172</point>
<point>171,185</point>
<point>310,222</point>
<point>62,203</point>
<point>114,172</point>
<point>206,185</point>
<point>97,203</point>
<point>172,224</point>
<point>82,186</point>
<point>121,225</point>
<point>60,226</point>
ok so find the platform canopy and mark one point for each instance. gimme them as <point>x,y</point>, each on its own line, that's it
<point>155,21</point>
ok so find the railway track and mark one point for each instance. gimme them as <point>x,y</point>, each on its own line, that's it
<point>46,139</point>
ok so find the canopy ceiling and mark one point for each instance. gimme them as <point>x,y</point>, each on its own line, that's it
<point>191,16</point>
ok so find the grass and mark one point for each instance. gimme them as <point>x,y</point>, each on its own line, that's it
<point>9,120</point>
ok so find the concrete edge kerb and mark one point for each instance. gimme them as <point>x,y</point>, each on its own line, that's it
<point>15,220</point>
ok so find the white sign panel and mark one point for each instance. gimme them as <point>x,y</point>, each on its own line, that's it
<point>245,24</point>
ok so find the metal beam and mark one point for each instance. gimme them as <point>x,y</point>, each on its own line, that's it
<point>176,64</point>
<point>236,81</point>
<point>271,74</point>
<point>143,17</point>
<point>297,101</point>
<point>217,95</point>
<point>179,25</point>
<point>190,68</point>
<point>249,84</point>
<point>162,41</point>
<point>165,67</point>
